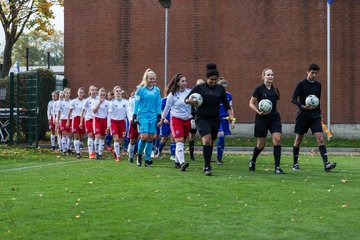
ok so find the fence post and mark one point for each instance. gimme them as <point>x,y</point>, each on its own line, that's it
<point>17,108</point>
<point>37,108</point>
<point>11,132</point>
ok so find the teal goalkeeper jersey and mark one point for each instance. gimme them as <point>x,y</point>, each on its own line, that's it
<point>147,101</point>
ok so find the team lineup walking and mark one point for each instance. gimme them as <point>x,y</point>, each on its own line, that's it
<point>135,128</point>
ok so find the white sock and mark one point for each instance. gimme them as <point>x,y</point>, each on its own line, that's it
<point>101,146</point>
<point>63,144</point>
<point>97,141</point>
<point>77,146</point>
<point>131,150</point>
<point>179,152</point>
<point>90,143</point>
<point>117,148</point>
<point>68,143</point>
<point>52,140</point>
<point>59,140</point>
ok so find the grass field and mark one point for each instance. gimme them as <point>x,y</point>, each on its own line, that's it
<point>45,196</point>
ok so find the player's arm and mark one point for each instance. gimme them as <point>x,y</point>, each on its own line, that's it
<point>82,118</point>
<point>97,104</point>
<point>253,105</point>
<point>109,115</point>
<point>49,111</point>
<point>192,101</point>
<point>295,97</point>
<point>68,117</point>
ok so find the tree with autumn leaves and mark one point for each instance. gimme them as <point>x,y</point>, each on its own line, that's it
<point>18,15</point>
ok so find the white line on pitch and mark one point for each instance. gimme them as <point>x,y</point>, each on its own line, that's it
<point>36,166</point>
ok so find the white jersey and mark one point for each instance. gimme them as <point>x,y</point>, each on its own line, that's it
<point>64,107</point>
<point>176,103</point>
<point>77,106</point>
<point>50,109</point>
<point>87,107</point>
<point>130,109</point>
<point>56,108</point>
<point>103,109</point>
<point>117,110</point>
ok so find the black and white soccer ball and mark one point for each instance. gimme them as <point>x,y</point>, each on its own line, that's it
<point>197,97</point>
<point>265,106</point>
<point>312,101</point>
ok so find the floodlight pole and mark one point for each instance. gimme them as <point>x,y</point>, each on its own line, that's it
<point>328,71</point>
<point>166,4</point>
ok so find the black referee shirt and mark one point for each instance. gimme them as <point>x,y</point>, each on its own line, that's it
<point>262,92</point>
<point>303,89</point>
<point>212,97</point>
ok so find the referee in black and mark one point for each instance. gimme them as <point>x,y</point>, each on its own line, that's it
<point>309,117</point>
<point>265,122</point>
<point>207,116</point>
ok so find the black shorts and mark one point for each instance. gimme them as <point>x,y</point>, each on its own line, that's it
<point>303,123</point>
<point>207,126</point>
<point>263,124</point>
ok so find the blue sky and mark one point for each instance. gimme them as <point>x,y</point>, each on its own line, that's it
<point>58,24</point>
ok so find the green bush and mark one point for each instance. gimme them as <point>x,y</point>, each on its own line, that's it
<point>46,87</point>
<point>47,84</point>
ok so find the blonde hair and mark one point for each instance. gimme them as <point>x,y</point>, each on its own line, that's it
<point>145,79</point>
<point>263,73</point>
<point>200,81</point>
<point>116,87</point>
<point>102,90</point>
<point>92,86</point>
<point>223,81</point>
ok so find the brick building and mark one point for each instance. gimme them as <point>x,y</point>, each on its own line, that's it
<point>112,42</point>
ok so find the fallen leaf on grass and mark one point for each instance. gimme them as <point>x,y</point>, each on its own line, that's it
<point>77,216</point>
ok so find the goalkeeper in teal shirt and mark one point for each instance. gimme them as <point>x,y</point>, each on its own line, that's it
<point>147,113</point>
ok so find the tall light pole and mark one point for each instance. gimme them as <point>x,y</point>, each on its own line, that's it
<point>166,4</point>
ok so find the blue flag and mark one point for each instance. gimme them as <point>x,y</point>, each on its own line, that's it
<point>330,1</point>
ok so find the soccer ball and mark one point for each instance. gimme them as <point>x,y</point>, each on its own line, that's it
<point>265,106</point>
<point>312,101</point>
<point>198,97</point>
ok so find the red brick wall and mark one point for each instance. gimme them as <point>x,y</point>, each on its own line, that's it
<point>112,42</point>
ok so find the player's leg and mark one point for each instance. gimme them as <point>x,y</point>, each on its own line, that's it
<point>276,139</point>
<point>177,131</point>
<point>301,127</point>
<point>260,132</point>
<point>316,129</point>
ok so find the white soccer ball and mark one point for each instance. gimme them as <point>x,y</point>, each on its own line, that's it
<point>312,101</point>
<point>265,106</point>
<point>198,98</point>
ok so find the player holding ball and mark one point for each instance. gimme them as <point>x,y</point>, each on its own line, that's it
<point>309,116</point>
<point>207,115</point>
<point>263,102</point>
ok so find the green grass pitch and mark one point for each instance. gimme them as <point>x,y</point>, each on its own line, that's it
<point>45,196</point>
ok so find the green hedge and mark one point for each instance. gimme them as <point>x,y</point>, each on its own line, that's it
<point>46,87</point>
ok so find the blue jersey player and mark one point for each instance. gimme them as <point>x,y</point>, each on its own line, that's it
<point>224,128</point>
